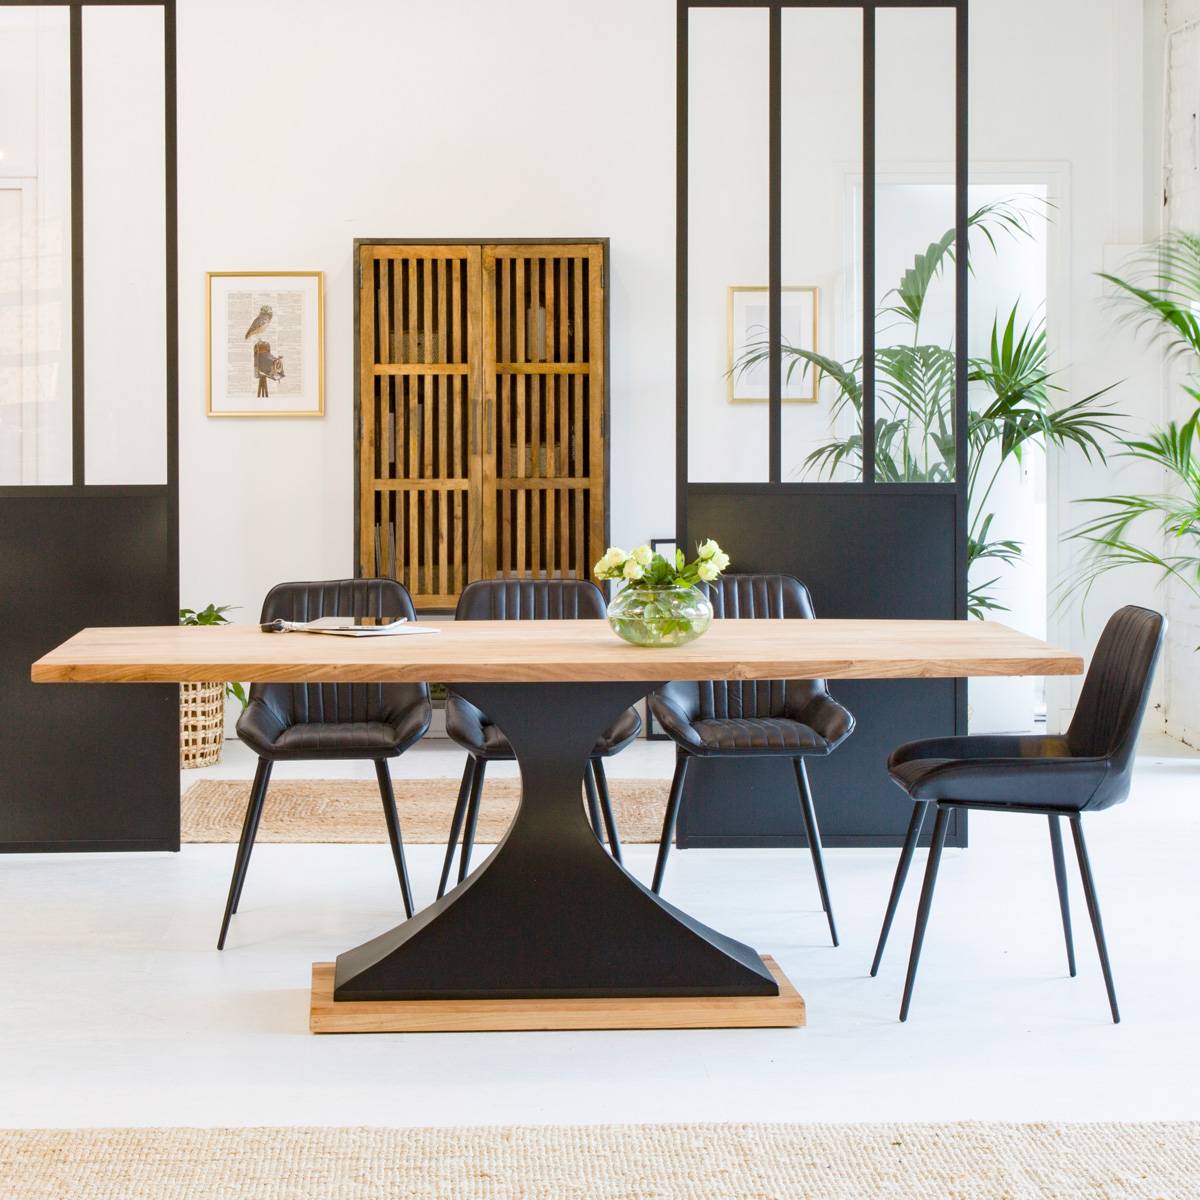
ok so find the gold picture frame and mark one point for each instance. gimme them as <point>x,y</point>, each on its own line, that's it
<point>746,316</point>
<point>283,376</point>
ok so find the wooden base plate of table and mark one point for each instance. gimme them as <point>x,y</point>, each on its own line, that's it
<point>327,1015</point>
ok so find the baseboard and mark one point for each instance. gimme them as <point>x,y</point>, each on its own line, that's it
<point>118,846</point>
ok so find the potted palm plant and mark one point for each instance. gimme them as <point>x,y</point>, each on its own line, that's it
<point>1160,530</point>
<point>1014,399</point>
<point>202,705</point>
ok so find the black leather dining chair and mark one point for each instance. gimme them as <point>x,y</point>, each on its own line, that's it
<point>1087,769</point>
<point>791,718</point>
<point>524,600</point>
<point>296,721</point>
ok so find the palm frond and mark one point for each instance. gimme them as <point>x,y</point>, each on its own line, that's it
<point>1161,292</point>
<point>1109,535</point>
<point>980,603</point>
<point>988,221</point>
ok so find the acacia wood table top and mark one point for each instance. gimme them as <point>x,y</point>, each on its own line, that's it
<point>554,651</point>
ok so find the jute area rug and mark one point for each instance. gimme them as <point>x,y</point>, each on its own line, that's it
<point>647,1162</point>
<point>349,810</point>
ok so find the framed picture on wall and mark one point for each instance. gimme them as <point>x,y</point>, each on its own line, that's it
<point>266,343</point>
<point>747,331</point>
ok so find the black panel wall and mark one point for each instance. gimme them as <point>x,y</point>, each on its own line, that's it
<point>85,767</point>
<point>861,555</point>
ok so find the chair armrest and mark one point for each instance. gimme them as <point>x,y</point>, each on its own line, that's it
<point>260,725</point>
<point>411,723</point>
<point>464,723</point>
<point>825,716</point>
<point>675,706</point>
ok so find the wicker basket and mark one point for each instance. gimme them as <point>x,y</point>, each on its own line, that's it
<point>201,723</point>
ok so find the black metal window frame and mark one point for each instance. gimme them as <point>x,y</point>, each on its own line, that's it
<point>868,483</point>
<point>78,486</point>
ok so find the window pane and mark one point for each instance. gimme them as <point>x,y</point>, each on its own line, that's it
<point>821,304</point>
<point>35,246</point>
<point>728,183</point>
<point>914,245</point>
<point>124,243</point>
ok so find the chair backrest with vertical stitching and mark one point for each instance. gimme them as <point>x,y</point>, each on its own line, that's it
<point>336,703</point>
<point>735,596</point>
<point>530,600</point>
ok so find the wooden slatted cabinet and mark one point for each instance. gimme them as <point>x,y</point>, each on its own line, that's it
<point>481,412</point>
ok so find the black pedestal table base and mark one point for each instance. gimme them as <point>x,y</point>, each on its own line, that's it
<point>550,913</point>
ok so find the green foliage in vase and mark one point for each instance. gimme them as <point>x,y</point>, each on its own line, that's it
<point>1014,400</point>
<point>1159,530</point>
<point>214,614</point>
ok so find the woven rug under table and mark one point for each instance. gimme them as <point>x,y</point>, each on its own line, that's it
<point>349,810</point>
<point>631,1162</point>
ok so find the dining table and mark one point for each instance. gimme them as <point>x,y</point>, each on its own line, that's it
<point>550,931</point>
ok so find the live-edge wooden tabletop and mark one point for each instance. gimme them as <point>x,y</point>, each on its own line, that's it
<point>554,651</point>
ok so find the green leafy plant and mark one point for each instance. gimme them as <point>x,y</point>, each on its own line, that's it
<point>1012,401</point>
<point>1162,300</point>
<point>1018,410</point>
<point>215,615</point>
<point>1114,536</point>
<point>212,615</point>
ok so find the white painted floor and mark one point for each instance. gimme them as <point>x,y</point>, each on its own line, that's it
<point>116,1009</point>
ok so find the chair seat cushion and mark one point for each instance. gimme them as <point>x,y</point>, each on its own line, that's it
<point>1063,783</point>
<point>261,729</point>
<point>757,735</point>
<point>471,729</point>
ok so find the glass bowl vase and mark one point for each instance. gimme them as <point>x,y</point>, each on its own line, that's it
<point>659,616</point>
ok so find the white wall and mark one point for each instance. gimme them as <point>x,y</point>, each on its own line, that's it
<point>1173,46</point>
<point>301,129</point>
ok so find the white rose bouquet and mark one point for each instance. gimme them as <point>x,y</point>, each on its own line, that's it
<point>649,570</point>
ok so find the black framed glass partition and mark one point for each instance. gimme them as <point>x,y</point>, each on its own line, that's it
<point>821,352</point>
<point>88,414</point>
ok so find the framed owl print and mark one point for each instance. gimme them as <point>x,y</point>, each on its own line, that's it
<point>266,343</point>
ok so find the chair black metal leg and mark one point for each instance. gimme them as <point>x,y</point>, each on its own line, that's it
<point>258,793</point>
<point>606,809</point>
<point>906,854</point>
<point>1093,905</point>
<point>669,819</point>
<point>593,802</point>
<point>241,879</point>
<point>393,827</point>
<point>814,842</point>
<point>1060,876</point>
<point>464,859</point>
<point>931,871</point>
<point>456,824</point>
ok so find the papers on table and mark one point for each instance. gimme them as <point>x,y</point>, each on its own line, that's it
<point>350,626</point>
